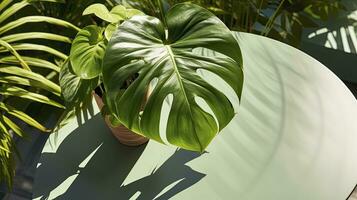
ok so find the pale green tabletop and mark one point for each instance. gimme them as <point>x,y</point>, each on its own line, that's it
<point>295,138</point>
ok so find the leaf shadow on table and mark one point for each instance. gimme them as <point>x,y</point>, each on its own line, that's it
<point>63,175</point>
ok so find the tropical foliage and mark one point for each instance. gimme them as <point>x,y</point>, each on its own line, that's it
<point>134,49</point>
<point>34,65</point>
<point>280,19</point>
<point>71,11</point>
<point>28,67</point>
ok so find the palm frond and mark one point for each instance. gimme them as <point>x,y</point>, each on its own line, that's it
<point>26,65</point>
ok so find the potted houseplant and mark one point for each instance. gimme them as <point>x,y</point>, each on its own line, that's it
<point>135,62</point>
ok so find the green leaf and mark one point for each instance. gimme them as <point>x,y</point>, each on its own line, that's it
<point>217,11</point>
<point>33,76</point>
<point>74,89</point>
<point>122,13</point>
<point>14,127</point>
<point>22,116</point>
<point>34,62</point>
<point>141,46</point>
<point>13,51</point>
<point>100,11</point>
<point>119,12</point>
<point>4,149</point>
<point>22,93</point>
<point>13,9</point>
<point>11,20</point>
<point>28,82</point>
<point>4,4</point>
<point>35,35</point>
<point>36,19</point>
<point>132,12</point>
<point>109,30</point>
<point>4,137</point>
<point>53,1</point>
<point>36,47</point>
<point>87,52</point>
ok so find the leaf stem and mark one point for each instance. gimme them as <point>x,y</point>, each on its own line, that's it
<point>162,12</point>
<point>271,20</point>
<point>259,10</point>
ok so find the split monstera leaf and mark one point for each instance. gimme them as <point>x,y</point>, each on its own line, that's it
<point>169,53</point>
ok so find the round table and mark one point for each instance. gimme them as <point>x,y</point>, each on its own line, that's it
<point>294,138</point>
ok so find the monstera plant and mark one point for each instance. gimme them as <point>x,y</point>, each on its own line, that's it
<point>133,53</point>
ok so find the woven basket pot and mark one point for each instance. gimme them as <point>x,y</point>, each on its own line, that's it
<point>123,134</point>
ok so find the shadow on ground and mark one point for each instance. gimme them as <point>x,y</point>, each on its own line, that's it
<point>103,176</point>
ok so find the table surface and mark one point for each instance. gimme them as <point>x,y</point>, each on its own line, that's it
<point>295,137</point>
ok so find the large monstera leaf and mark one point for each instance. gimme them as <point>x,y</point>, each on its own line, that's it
<point>166,51</point>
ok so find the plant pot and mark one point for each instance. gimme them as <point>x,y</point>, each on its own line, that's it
<point>123,134</point>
